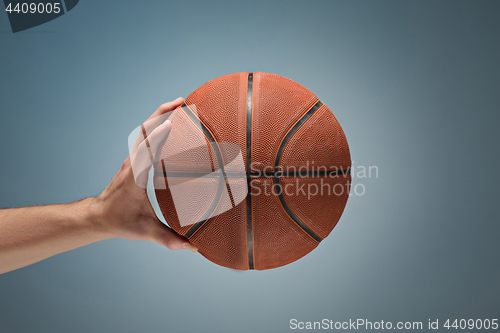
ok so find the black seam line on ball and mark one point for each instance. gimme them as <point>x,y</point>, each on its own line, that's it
<point>263,174</point>
<point>277,162</point>
<point>212,174</point>
<point>222,180</point>
<point>304,174</point>
<point>248,167</point>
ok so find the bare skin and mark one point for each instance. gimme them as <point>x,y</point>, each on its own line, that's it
<point>122,210</point>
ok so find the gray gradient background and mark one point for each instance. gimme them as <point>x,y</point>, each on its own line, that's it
<point>415,85</point>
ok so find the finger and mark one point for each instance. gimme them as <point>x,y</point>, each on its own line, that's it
<point>143,157</point>
<point>165,236</point>
<point>147,127</point>
<point>158,117</point>
<point>166,107</point>
<point>158,135</point>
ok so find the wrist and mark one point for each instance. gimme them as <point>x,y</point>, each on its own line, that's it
<point>93,218</point>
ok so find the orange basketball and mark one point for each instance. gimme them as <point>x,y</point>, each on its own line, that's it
<point>289,190</point>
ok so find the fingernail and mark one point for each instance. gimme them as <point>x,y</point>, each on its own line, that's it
<point>190,247</point>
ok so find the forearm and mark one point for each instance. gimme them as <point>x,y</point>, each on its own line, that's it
<point>31,234</point>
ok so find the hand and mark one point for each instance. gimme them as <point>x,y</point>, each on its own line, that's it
<point>123,209</point>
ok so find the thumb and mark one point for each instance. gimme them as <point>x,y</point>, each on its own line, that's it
<point>165,236</point>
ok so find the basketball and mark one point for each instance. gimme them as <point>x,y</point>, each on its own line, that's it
<point>259,168</point>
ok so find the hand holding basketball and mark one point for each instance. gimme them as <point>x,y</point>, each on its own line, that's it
<point>123,208</point>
